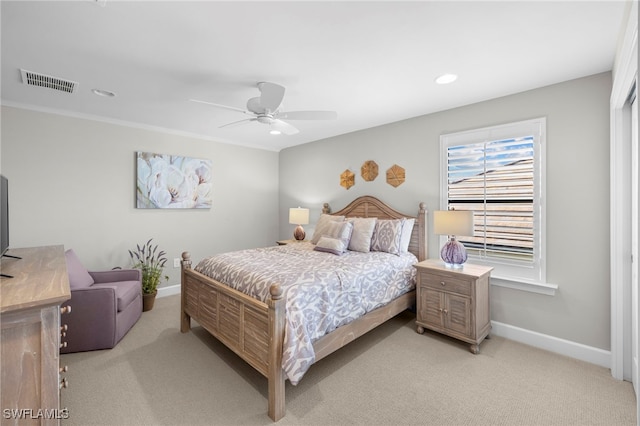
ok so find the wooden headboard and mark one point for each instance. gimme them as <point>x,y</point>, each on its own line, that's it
<point>368,206</point>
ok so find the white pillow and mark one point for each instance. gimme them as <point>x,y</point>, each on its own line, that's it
<point>362,233</point>
<point>386,236</point>
<point>321,226</point>
<point>405,238</point>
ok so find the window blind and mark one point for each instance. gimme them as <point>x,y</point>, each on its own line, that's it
<point>495,180</point>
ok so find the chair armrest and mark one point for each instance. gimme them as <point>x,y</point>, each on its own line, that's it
<point>92,320</point>
<point>116,275</point>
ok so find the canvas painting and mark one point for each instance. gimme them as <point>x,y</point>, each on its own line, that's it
<point>172,182</point>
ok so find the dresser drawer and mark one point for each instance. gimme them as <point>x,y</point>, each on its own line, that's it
<point>446,283</point>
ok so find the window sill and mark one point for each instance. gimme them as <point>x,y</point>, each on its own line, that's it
<point>524,285</point>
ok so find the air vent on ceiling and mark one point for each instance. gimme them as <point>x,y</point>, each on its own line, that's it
<point>31,78</point>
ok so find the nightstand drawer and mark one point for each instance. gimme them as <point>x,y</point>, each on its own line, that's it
<point>445,283</point>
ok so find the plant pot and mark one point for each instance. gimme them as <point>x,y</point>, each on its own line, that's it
<point>148,300</point>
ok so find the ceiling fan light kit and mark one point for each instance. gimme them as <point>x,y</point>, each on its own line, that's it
<point>266,110</point>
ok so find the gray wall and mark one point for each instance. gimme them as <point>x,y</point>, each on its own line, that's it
<point>577,194</point>
<point>72,182</point>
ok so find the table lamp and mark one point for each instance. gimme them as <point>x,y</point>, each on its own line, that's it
<point>299,216</point>
<point>452,223</point>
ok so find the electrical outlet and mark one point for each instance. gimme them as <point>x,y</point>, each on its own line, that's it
<point>176,262</point>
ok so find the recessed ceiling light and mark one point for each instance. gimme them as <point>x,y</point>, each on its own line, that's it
<point>446,78</point>
<point>105,93</point>
<point>275,132</point>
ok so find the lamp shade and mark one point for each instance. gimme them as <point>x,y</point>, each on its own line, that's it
<point>299,216</point>
<point>453,222</point>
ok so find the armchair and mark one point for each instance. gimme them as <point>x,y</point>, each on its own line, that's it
<point>104,306</point>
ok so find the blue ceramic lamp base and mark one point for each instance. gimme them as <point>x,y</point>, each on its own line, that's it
<point>453,253</point>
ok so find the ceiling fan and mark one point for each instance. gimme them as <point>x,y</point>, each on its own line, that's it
<point>266,110</point>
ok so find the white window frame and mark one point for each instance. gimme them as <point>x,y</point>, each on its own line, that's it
<point>529,276</point>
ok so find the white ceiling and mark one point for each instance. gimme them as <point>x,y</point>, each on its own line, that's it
<point>372,62</point>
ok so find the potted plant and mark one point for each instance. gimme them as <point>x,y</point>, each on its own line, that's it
<point>151,262</point>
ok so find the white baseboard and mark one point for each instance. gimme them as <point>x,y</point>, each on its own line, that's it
<point>169,290</point>
<point>553,344</point>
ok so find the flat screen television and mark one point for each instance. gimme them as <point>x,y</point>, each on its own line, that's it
<point>4,215</point>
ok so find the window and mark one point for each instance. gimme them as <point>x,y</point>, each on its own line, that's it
<point>497,173</point>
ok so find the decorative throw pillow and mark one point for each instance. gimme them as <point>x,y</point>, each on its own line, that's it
<point>321,226</point>
<point>386,236</point>
<point>341,231</point>
<point>405,238</point>
<point>331,245</point>
<point>362,233</point>
<point>78,276</point>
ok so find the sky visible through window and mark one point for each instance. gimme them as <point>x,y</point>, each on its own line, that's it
<point>469,160</point>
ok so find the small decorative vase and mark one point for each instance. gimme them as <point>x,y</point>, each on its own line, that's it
<point>299,233</point>
<point>453,253</point>
<point>148,300</point>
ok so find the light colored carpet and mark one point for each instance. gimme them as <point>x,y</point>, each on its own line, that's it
<point>391,376</point>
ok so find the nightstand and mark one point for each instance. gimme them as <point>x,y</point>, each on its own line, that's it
<point>292,241</point>
<point>454,302</point>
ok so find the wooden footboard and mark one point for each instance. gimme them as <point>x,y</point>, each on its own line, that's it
<point>254,330</point>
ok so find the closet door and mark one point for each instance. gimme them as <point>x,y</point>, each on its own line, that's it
<point>635,226</point>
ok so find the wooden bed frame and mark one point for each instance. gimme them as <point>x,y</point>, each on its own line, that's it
<point>255,330</point>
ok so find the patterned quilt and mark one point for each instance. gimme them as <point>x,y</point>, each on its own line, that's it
<point>322,291</point>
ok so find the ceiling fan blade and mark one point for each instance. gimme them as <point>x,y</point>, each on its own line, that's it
<point>307,115</point>
<point>221,106</point>
<point>237,123</point>
<point>271,95</point>
<point>284,127</point>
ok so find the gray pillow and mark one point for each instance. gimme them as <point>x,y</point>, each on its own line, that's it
<point>321,227</point>
<point>331,245</point>
<point>362,233</point>
<point>341,231</point>
<point>386,236</point>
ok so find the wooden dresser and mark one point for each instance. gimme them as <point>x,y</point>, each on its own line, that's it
<point>31,335</point>
<point>454,302</point>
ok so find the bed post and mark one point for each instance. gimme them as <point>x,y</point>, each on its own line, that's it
<point>422,233</point>
<point>185,319</point>
<point>276,374</point>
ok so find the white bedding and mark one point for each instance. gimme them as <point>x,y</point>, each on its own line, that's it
<point>322,291</point>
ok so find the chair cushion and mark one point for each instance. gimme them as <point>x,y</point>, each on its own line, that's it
<point>126,292</point>
<point>78,275</point>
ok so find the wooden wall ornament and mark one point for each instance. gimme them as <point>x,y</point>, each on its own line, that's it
<point>395,176</point>
<point>347,179</point>
<point>369,170</point>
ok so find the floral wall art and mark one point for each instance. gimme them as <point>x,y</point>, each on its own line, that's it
<point>171,181</point>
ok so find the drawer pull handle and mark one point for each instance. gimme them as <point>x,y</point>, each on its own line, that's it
<point>443,283</point>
